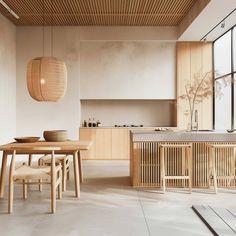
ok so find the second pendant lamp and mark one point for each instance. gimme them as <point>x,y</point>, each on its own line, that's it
<point>47,76</point>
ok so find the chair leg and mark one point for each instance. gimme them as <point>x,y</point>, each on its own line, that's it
<point>10,195</point>
<point>40,185</point>
<point>11,183</point>
<point>64,175</point>
<point>232,172</point>
<point>53,198</point>
<point>163,180</point>
<point>209,167</point>
<point>60,186</point>
<point>68,169</point>
<point>24,189</point>
<point>214,178</point>
<point>80,168</point>
<point>30,160</point>
<point>214,168</point>
<point>189,158</point>
<point>40,180</point>
<point>184,156</point>
<point>53,184</point>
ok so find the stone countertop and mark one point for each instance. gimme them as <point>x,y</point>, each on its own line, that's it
<point>182,136</point>
<point>130,127</point>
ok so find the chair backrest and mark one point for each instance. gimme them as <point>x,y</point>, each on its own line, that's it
<point>24,148</point>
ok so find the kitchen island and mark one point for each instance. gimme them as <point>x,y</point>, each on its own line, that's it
<point>145,158</point>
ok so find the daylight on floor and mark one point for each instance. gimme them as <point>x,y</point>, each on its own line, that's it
<point>117,117</point>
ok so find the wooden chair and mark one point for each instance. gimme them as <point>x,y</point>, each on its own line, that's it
<point>185,152</point>
<point>212,173</point>
<point>65,163</point>
<point>25,175</point>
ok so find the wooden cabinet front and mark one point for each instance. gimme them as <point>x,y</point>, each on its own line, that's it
<point>108,143</point>
<point>120,143</point>
<point>90,135</point>
<point>103,144</point>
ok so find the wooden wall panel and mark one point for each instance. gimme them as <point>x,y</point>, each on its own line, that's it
<point>192,58</point>
<point>207,65</point>
<point>183,75</point>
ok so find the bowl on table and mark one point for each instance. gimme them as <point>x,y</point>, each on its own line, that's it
<point>27,139</point>
<point>55,135</point>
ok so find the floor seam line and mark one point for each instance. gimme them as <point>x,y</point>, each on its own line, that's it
<point>140,202</point>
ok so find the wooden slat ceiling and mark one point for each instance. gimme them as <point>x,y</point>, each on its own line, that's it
<point>98,12</point>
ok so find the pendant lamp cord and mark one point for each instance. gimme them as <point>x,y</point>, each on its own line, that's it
<point>52,28</point>
<point>43,23</point>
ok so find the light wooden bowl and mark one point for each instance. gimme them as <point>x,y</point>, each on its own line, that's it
<point>55,135</point>
<point>27,139</point>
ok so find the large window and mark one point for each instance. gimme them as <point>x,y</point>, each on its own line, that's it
<point>225,65</point>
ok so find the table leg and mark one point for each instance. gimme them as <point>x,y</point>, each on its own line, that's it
<point>80,167</point>
<point>76,174</point>
<point>30,160</point>
<point>3,174</point>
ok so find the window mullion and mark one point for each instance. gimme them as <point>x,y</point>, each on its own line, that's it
<point>232,79</point>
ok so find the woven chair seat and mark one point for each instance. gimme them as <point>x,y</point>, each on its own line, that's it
<point>28,172</point>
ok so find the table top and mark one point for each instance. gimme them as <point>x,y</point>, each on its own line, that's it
<point>66,147</point>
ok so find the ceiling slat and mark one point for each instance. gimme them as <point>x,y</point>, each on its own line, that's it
<point>99,12</point>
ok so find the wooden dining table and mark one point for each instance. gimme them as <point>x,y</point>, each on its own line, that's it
<point>66,148</point>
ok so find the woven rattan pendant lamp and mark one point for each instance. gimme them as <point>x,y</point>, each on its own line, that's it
<point>47,76</point>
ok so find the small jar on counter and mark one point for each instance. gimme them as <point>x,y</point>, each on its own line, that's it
<point>85,123</point>
<point>98,123</point>
<point>94,123</point>
<point>90,124</point>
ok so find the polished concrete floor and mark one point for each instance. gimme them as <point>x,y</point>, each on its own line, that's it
<point>108,206</point>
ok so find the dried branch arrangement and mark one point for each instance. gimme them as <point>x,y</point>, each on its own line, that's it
<point>201,88</point>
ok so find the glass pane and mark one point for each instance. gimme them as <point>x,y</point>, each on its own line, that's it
<point>223,104</point>
<point>222,55</point>
<point>234,47</point>
<point>234,101</point>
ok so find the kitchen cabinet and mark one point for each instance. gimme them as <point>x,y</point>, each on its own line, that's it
<point>108,143</point>
<point>103,144</point>
<point>120,143</point>
<point>88,134</point>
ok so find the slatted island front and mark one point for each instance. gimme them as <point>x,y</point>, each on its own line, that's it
<point>145,157</point>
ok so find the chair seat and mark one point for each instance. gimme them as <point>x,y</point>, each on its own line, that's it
<point>28,172</point>
<point>47,159</point>
<point>63,160</point>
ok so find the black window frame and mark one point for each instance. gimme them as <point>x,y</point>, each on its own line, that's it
<point>232,74</point>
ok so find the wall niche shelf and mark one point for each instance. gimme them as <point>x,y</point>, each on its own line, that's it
<point>146,112</point>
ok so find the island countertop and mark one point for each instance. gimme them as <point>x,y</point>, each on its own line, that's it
<point>182,136</point>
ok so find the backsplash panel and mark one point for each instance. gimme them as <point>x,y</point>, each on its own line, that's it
<point>130,112</point>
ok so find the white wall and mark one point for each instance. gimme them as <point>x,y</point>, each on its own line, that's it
<point>34,117</point>
<point>127,70</point>
<point>7,80</point>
